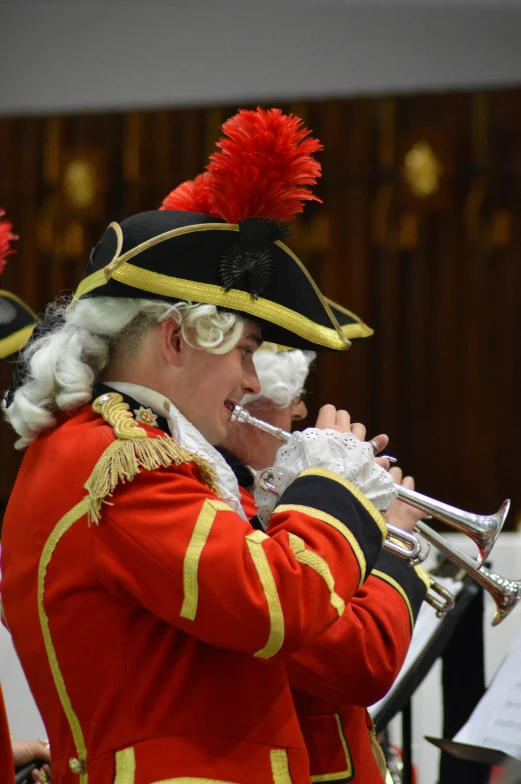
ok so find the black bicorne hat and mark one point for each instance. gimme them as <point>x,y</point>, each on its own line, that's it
<point>17,322</point>
<point>218,239</point>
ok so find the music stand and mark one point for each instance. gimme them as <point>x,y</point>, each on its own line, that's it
<point>468,601</point>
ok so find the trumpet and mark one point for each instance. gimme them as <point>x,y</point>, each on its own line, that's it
<point>506,593</point>
<point>482,529</point>
<point>439,597</point>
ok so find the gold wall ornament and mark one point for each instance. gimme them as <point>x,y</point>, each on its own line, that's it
<point>408,231</point>
<point>72,242</point>
<point>80,183</point>
<point>422,170</point>
<point>500,233</point>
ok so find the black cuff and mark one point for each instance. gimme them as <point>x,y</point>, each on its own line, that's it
<point>322,494</point>
<point>404,579</point>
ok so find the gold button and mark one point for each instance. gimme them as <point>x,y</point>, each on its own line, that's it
<point>76,765</point>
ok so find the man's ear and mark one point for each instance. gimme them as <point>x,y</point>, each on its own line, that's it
<point>172,342</point>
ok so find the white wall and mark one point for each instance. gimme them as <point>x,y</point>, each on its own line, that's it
<point>66,55</point>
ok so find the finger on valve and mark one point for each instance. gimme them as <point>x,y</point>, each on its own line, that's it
<point>358,430</point>
<point>378,443</point>
<point>331,419</point>
<point>383,462</point>
<point>44,775</point>
<point>399,514</point>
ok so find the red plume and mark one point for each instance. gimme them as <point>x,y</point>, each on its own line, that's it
<point>191,196</point>
<point>6,236</point>
<point>265,162</point>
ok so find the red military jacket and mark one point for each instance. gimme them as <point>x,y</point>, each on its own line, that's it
<point>152,621</point>
<point>350,667</point>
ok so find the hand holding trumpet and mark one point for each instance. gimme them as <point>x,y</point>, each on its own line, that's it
<point>331,418</point>
<point>483,529</point>
<point>399,514</point>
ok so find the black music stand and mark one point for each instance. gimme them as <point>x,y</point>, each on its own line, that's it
<point>457,638</point>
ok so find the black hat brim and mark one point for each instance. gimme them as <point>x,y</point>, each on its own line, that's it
<point>173,256</point>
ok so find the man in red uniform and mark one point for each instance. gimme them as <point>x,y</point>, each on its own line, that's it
<point>151,619</point>
<point>17,322</point>
<point>352,665</point>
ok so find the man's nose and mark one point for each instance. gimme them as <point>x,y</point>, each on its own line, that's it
<point>250,382</point>
<point>298,411</point>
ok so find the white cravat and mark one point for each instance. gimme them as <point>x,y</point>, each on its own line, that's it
<point>188,437</point>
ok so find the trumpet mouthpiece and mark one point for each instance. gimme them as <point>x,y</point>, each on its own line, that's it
<point>239,414</point>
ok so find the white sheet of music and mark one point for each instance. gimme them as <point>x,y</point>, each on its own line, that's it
<point>496,720</point>
<point>426,626</point>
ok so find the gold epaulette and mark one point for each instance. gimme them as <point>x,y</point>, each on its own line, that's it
<point>133,450</point>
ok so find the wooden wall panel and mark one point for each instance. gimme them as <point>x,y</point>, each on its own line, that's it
<point>437,275</point>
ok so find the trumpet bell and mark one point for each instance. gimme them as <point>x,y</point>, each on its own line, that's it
<point>505,593</point>
<point>482,529</point>
<point>487,531</point>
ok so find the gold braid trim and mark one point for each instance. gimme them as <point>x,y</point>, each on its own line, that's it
<point>319,565</point>
<point>397,587</point>
<point>280,767</point>
<point>79,765</point>
<point>117,413</point>
<point>192,780</point>
<point>262,565</point>
<point>125,766</point>
<point>343,775</point>
<point>423,576</point>
<point>134,450</point>
<point>193,553</point>
<point>334,523</point>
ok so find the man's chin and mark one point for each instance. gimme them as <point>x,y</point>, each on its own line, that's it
<point>215,435</point>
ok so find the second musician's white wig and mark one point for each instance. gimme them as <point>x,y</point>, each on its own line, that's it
<point>282,374</point>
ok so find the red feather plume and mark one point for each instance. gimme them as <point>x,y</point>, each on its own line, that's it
<point>6,237</point>
<point>191,196</point>
<point>263,166</point>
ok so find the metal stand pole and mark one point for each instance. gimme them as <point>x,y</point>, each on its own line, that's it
<point>407,743</point>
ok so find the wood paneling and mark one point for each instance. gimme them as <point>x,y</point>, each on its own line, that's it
<point>438,277</point>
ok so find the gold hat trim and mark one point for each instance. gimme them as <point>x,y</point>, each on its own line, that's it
<point>351,331</point>
<point>357,330</point>
<point>15,342</point>
<point>119,269</point>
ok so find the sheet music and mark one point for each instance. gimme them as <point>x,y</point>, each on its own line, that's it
<point>496,720</point>
<point>426,626</point>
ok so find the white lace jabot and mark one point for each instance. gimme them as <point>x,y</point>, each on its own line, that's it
<point>188,437</point>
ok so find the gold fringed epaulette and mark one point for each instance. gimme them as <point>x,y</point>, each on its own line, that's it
<point>132,451</point>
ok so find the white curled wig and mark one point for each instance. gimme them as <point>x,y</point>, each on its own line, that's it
<point>282,374</point>
<point>60,367</point>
